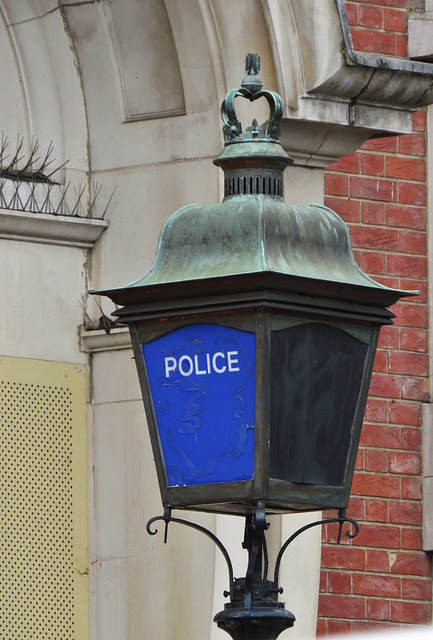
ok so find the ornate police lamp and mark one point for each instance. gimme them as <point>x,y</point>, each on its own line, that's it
<point>254,334</point>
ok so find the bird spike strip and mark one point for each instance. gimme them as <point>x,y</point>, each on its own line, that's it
<point>27,184</point>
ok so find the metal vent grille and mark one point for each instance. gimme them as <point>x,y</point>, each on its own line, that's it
<point>37,525</point>
<point>253,182</point>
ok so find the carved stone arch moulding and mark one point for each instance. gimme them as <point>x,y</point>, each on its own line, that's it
<point>13,104</point>
<point>49,76</point>
<point>40,95</point>
<point>162,56</point>
<point>194,42</point>
<point>145,59</point>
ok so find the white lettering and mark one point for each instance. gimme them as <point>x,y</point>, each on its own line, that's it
<point>170,365</point>
<point>202,364</point>
<point>197,370</point>
<point>191,366</point>
<point>232,361</point>
<point>216,355</point>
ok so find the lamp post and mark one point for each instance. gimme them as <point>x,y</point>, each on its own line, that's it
<point>254,334</point>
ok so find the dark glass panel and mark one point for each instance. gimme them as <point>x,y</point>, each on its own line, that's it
<point>315,382</point>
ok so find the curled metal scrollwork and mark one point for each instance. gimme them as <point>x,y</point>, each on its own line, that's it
<point>253,524</point>
<point>167,518</point>
<point>340,520</point>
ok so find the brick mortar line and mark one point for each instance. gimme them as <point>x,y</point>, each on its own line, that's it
<point>385,227</point>
<point>360,572</point>
<point>389,499</point>
<point>362,174</point>
<point>363,447</point>
<point>370,176</point>
<point>369,620</point>
<point>401,350</point>
<point>377,153</point>
<point>382,525</point>
<point>397,474</point>
<point>385,203</point>
<point>394,252</point>
<point>403,375</point>
<point>381,574</point>
<point>410,552</point>
<point>374,622</point>
<point>418,157</point>
<point>371,225</point>
<point>393,154</point>
<point>375,423</point>
<point>370,447</point>
<point>376,598</point>
<point>399,525</point>
<point>361,595</point>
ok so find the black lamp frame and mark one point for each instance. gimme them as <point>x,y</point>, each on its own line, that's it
<point>263,317</point>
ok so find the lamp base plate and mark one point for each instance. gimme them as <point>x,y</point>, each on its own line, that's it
<point>263,621</point>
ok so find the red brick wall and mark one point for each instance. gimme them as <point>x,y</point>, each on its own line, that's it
<point>380,26</point>
<point>383,577</point>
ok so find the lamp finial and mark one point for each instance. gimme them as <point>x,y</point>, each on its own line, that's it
<point>252,89</point>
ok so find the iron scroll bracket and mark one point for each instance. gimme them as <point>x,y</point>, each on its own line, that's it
<point>341,519</point>
<point>167,518</point>
<point>255,543</point>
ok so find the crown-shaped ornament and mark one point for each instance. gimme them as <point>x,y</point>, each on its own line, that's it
<point>252,88</point>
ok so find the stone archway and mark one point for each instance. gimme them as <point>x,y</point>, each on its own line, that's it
<point>46,83</point>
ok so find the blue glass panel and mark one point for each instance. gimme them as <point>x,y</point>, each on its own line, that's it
<point>202,381</point>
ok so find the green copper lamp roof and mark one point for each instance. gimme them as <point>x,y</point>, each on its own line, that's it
<point>253,234</point>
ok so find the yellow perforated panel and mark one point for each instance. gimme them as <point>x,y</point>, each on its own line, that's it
<point>43,517</point>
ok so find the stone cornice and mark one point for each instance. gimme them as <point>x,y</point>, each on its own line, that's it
<point>96,341</point>
<point>393,81</point>
<point>50,229</point>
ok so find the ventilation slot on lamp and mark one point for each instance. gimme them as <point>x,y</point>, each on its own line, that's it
<point>253,184</point>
